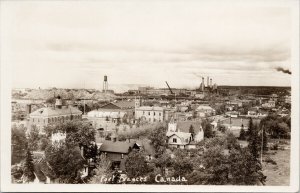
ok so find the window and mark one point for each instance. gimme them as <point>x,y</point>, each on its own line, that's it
<point>143,112</point>
<point>148,113</point>
<point>159,114</point>
<point>154,113</point>
<point>174,140</point>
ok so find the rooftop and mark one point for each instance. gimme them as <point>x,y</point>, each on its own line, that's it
<point>116,147</point>
<point>148,108</point>
<point>50,111</point>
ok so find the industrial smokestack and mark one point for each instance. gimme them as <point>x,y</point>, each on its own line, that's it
<point>211,82</point>
<point>208,81</point>
<point>28,109</point>
<point>202,85</point>
<point>286,71</point>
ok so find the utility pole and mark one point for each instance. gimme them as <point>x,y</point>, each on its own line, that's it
<point>84,99</point>
<point>262,143</point>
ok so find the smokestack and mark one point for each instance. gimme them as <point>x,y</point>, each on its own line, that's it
<point>208,81</point>
<point>28,109</point>
<point>202,86</point>
<point>211,82</point>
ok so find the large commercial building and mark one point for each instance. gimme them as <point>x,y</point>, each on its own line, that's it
<point>150,114</point>
<point>51,115</point>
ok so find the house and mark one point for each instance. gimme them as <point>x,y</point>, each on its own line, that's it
<point>117,152</point>
<point>150,114</point>
<point>205,111</point>
<point>50,115</point>
<point>180,140</point>
<point>179,135</point>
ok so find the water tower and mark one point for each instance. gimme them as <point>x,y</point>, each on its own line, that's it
<point>105,84</point>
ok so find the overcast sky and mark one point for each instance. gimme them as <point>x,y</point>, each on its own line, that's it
<point>70,44</point>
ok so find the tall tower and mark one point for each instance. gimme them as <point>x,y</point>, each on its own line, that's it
<point>210,83</point>
<point>202,85</point>
<point>105,84</point>
<point>207,81</point>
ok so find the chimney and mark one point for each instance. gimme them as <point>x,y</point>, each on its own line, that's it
<point>211,82</point>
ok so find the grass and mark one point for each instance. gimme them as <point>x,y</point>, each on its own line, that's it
<point>279,174</point>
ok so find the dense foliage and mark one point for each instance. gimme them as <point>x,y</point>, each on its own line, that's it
<point>28,168</point>
<point>18,144</point>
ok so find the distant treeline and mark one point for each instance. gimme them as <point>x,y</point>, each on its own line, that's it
<point>257,90</point>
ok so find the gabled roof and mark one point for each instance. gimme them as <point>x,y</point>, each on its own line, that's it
<point>50,111</point>
<point>182,135</point>
<point>184,126</point>
<point>146,146</point>
<point>119,105</point>
<point>116,147</point>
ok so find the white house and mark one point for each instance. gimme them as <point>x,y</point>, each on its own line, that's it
<point>179,135</point>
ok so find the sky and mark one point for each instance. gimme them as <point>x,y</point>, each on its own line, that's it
<point>73,44</point>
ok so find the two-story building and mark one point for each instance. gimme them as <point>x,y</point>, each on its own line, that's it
<point>150,114</point>
<point>51,115</point>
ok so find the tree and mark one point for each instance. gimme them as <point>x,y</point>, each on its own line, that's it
<point>43,143</point>
<point>244,168</point>
<point>28,168</point>
<point>158,139</point>
<point>231,141</point>
<point>242,133</point>
<point>218,166</point>
<point>103,169</point>
<point>33,138</point>
<point>18,144</point>
<point>207,128</point>
<point>136,164</point>
<point>66,162</point>
<point>182,163</point>
<point>254,139</point>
